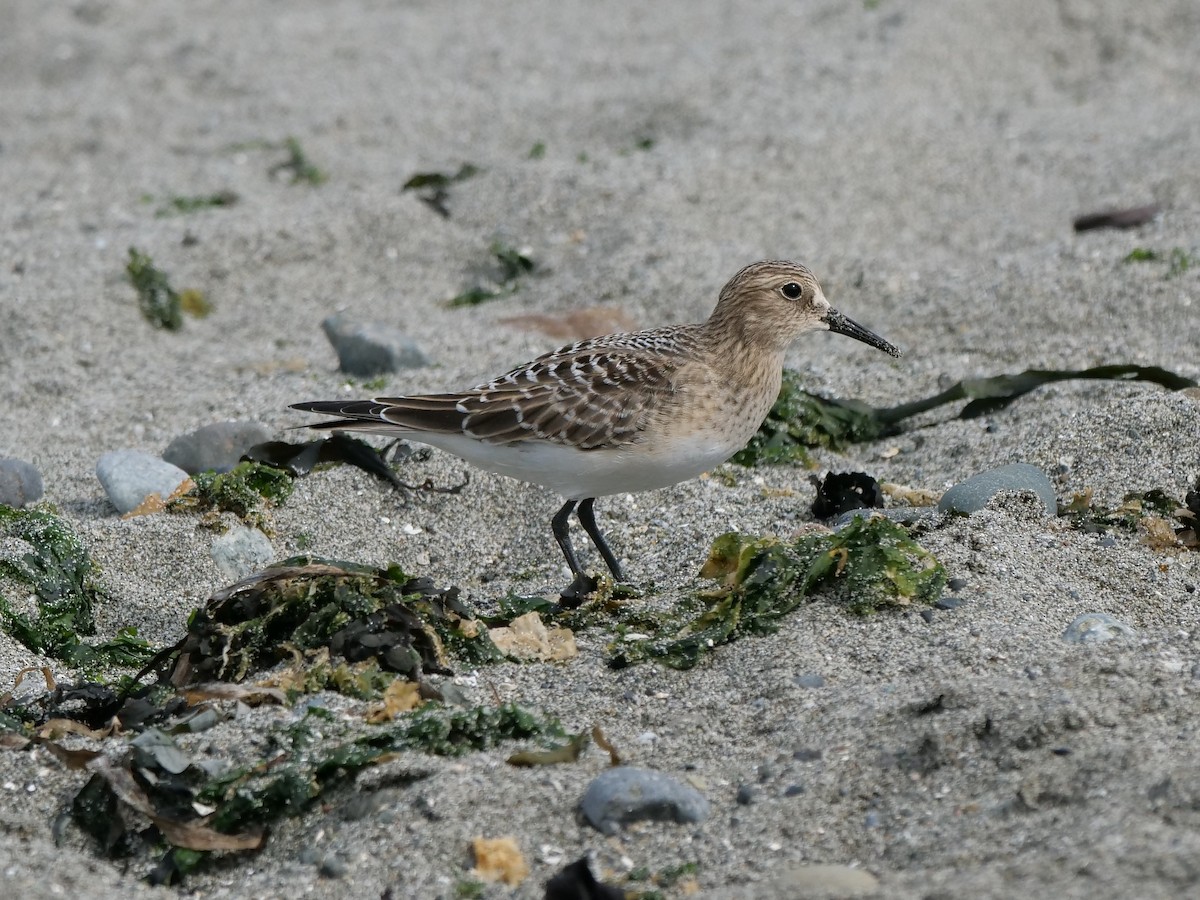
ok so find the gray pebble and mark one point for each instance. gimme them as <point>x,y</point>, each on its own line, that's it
<point>218,446</point>
<point>627,794</point>
<point>746,794</point>
<point>956,583</point>
<point>155,748</point>
<point>360,806</point>
<point>366,348</point>
<point>825,881</point>
<point>1096,628</point>
<point>949,602</point>
<point>332,867</point>
<point>241,551</point>
<point>201,719</point>
<point>973,494</point>
<point>809,680</point>
<point>130,476</point>
<point>20,483</point>
<point>793,790</point>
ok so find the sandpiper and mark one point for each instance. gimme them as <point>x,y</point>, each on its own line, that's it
<point>622,412</point>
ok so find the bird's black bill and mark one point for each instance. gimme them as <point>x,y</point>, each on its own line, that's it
<point>843,325</point>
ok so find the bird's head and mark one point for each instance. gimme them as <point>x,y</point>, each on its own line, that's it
<point>772,303</point>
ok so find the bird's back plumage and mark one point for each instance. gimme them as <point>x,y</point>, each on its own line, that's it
<point>575,396</point>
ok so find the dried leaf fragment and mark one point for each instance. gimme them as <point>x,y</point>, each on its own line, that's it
<point>499,859</point>
<point>1159,534</point>
<point>400,697</point>
<point>577,324</point>
<point>527,638</point>
<point>568,752</point>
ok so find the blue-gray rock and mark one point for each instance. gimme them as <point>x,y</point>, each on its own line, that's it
<point>130,476</point>
<point>825,881</point>
<point>803,882</point>
<point>20,483</point>
<point>1096,628</point>
<point>949,603</point>
<point>156,748</point>
<point>627,794</point>
<point>367,348</point>
<point>810,680</point>
<point>241,551</point>
<point>218,446</point>
<point>746,794</point>
<point>333,866</point>
<point>973,494</point>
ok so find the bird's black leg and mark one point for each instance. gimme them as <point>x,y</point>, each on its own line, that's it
<point>587,518</point>
<point>582,585</point>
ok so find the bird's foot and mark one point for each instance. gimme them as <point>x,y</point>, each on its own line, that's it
<point>573,595</point>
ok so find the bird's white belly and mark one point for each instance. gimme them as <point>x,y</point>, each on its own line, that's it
<point>578,474</point>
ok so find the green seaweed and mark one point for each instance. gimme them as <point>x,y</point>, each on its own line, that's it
<point>182,205</point>
<point>358,612</point>
<point>1178,259</point>
<point>1134,507</point>
<point>158,301</point>
<point>801,420</point>
<point>262,793</point>
<point>513,264</point>
<point>44,557</point>
<point>440,179</point>
<point>1141,254</point>
<point>298,769</point>
<point>297,165</point>
<point>433,188</point>
<point>872,564</point>
<point>245,491</point>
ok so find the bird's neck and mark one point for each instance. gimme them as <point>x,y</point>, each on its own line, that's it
<point>745,337</point>
<point>738,329</point>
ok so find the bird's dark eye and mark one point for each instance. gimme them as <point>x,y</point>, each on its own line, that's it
<point>792,291</point>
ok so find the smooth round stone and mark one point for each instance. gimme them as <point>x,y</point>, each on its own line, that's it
<point>973,494</point>
<point>20,483</point>
<point>1096,628</point>
<point>825,881</point>
<point>241,551</point>
<point>746,794</point>
<point>810,680</point>
<point>333,866</point>
<point>130,476</point>
<point>628,794</point>
<point>218,446</point>
<point>368,348</point>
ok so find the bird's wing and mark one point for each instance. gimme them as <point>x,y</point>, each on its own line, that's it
<point>590,397</point>
<point>597,393</point>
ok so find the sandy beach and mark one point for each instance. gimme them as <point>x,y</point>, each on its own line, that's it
<point>926,161</point>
